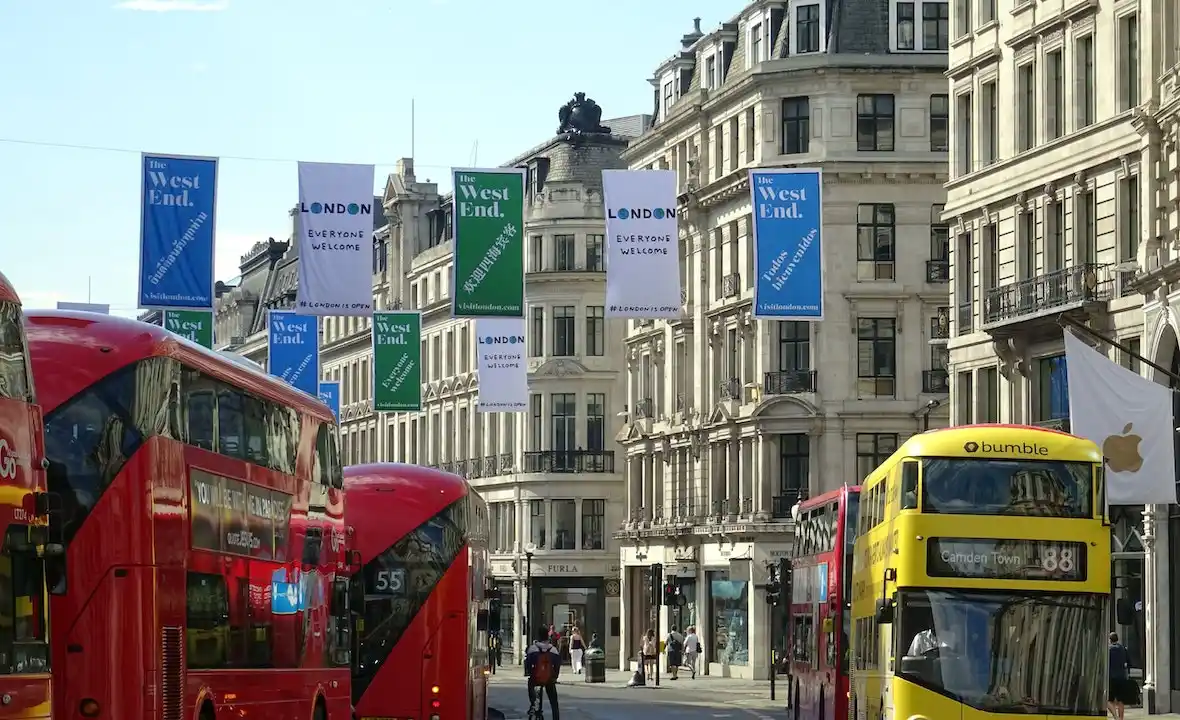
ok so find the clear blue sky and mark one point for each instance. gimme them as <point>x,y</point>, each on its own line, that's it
<point>283,79</point>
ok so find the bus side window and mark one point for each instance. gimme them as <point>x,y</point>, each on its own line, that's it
<point>909,485</point>
<point>328,471</point>
<point>14,375</point>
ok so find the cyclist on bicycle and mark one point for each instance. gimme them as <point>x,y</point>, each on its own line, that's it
<point>542,665</point>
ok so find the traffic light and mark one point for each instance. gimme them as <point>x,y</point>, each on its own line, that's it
<point>773,590</point>
<point>657,584</point>
<point>495,608</point>
<point>670,591</point>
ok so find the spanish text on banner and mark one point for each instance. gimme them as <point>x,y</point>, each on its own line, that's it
<point>196,325</point>
<point>1128,417</point>
<point>788,244</point>
<point>488,212</point>
<point>503,370</point>
<point>335,229</point>
<point>177,212</point>
<point>293,349</point>
<point>643,247</point>
<point>397,361</point>
<point>330,396</point>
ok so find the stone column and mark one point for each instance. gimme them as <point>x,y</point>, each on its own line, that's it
<point>733,452</point>
<point>766,482</point>
<point>1151,614</point>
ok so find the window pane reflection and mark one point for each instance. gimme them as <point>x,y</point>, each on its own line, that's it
<point>1008,487</point>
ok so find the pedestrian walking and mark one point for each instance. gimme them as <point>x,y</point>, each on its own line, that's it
<point>651,653</point>
<point>674,650</point>
<point>1120,686</point>
<point>542,666</point>
<point>577,650</point>
<point>692,650</point>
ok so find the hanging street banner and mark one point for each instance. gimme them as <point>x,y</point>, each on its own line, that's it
<point>1129,417</point>
<point>488,278</point>
<point>643,245</point>
<point>788,244</point>
<point>293,349</point>
<point>177,209</point>
<point>503,370</point>
<point>330,396</point>
<point>335,227</point>
<point>397,361</point>
<point>196,325</point>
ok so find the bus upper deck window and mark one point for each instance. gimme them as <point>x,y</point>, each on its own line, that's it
<point>909,485</point>
<point>14,371</point>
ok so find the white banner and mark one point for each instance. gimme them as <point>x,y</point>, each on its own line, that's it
<point>643,257</point>
<point>1130,418</point>
<point>503,369</point>
<point>335,229</point>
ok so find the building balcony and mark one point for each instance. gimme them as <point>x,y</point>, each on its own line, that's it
<point>1048,294</point>
<point>789,382</point>
<point>940,324</point>
<point>733,506</point>
<point>730,389</point>
<point>781,504</point>
<point>569,461</point>
<point>731,285</point>
<point>938,271</point>
<point>644,409</point>
<point>936,382</point>
<point>486,466</point>
<point>1059,424</point>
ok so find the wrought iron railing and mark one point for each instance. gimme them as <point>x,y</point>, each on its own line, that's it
<point>1060,289</point>
<point>569,461</point>
<point>643,409</point>
<point>938,271</point>
<point>789,382</point>
<point>940,324</point>
<point>731,285</point>
<point>730,389</point>
<point>965,319</point>
<point>781,504</point>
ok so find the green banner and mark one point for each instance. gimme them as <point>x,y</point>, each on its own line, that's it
<point>489,243</point>
<point>196,325</point>
<point>397,361</point>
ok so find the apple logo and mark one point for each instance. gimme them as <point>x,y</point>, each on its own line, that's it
<point>1122,451</point>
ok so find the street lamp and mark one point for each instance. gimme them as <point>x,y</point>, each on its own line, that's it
<point>528,584</point>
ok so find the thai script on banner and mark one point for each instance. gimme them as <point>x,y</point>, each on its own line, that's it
<point>788,244</point>
<point>643,245</point>
<point>330,396</point>
<point>488,208</point>
<point>177,213</point>
<point>397,361</point>
<point>503,369</point>
<point>335,235</point>
<point>293,349</point>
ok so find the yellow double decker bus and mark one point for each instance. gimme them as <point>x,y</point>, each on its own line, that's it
<point>981,577</point>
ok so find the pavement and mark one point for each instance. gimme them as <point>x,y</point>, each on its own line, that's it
<point>705,698</point>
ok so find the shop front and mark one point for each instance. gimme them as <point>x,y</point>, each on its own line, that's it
<point>575,593</point>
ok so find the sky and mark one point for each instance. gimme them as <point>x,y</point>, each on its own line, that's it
<point>87,85</point>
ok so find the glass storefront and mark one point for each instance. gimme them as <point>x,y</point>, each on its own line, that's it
<point>507,603</point>
<point>641,613</point>
<point>729,612</point>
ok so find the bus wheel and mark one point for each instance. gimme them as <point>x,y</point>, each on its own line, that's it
<point>207,711</point>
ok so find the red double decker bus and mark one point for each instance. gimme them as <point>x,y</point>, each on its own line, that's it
<point>818,611</point>
<point>420,597</point>
<point>24,622</point>
<point>202,515</point>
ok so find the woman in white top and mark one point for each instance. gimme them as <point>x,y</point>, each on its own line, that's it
<point>577,649</point>
<point>692,650</point>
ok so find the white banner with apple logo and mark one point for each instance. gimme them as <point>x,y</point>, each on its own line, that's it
<point>1130,418</point>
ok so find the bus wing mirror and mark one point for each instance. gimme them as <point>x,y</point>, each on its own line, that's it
<point>340,596</point>
<point>884,611</point>
<point>1124,612</point>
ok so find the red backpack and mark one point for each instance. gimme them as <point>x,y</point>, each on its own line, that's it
<point>543,670</point>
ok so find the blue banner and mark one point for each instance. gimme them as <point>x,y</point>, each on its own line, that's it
<point>293,349</point>
<point>177,211</point>
<point>330,396</point>
<point>788,244</point>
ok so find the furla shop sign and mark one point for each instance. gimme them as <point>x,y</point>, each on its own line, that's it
<point>566,569</point>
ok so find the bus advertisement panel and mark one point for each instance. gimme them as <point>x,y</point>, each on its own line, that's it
<point>819,620</point>
<point>203,523</point>
<point>982,577</point>
<point>420,603</point>
<point>24,541</point>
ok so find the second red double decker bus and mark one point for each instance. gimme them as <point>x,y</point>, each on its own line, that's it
<point>24,542</point>
<point>818,611</point>
<point>202,516</point>
<point>420,597</point>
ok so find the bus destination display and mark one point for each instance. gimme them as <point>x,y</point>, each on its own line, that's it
<point>1005,559</point>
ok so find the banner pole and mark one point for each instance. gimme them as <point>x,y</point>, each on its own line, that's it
<point>1067,321</point>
